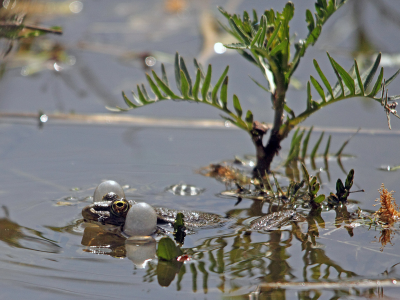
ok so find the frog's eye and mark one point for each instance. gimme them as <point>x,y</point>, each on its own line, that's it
<point>120,207</point>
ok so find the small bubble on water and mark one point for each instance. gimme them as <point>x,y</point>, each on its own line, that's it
<point>228,124</point>
<point>183,189</point>
<point>71,60</point>
<point>321,169</point>
<point>150,61</point>
<point>24,71</point>
<point>44,118</point>
<point>76,7</point>
<point>394,281</point>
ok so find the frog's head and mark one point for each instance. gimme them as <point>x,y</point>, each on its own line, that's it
<point>111,211</point>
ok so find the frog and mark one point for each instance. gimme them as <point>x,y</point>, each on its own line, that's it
<point>113,211</point>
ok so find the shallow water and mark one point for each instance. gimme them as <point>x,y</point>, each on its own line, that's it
<point>50,171</point>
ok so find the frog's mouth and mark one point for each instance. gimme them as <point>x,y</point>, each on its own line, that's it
<point>107,212</point>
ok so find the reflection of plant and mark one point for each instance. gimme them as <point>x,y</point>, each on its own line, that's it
<point>295,145</point>
<point>266,42</point>
<point>179,229</point>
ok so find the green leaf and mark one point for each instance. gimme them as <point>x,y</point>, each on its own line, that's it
<point>145,94</point>
<point>217,86</point>
<point>349,82</point>
<point>141,96</point>
<point>224,94</point>
<point>256,37</point>
<point>164,75</point>
<point>263,24</point>
<point>270,14</point>
<point>337,73</point>
<point>236,46</point>
<point>360,83</point>
<point>318,87</point>
<point>185,71</point>
<point>312,37</point>
<point>305,143</point>
<point>370,73</point>
<point>310,20</point>
<point>309,96</point>
<point>274,34</point>
<point>255,17</point>
<point>288,11</point>
<point>289,111</point>
<point>237,106</point>
<point>378,85</point>
<point>199,67</point>
<point>222,11</point>
<point>167,250</point>
<point>339,187</point>
<point>177,72</point>
<point>185,87</point>
<point>129,102</point>
<point>249,119</point>
<point>319,198</point>
<point>315,149</point>
<point>306,175</point>
<point>280,47</point>
<point>154,88</point>
<point>260,85</point>
<point>243,36</point>
<point>196,86</point>
<point>349,180</point>
<point>206,84</point>
<point>392,78</point>
<point>326,153</point>
<point>315,188</point>
<point>323,78</point>
<point>164,87</point>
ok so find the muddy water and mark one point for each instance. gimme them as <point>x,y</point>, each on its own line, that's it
<point>50,172</point>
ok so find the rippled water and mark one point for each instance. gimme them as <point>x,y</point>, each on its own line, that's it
<point>49,173</point>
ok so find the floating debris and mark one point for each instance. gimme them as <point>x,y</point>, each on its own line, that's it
<point>389,211</point>
<point>225,173</point>
<point>183,189</point>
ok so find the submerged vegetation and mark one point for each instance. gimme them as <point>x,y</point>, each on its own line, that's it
<point>266,42</point>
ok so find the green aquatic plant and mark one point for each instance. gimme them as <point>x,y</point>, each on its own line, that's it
<point>342,191</point>
<point>266,42</point>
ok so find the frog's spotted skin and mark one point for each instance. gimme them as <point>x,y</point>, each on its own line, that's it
<point>275,220</point>
<point>193,219</point>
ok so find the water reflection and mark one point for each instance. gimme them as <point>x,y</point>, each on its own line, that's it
<point>238,260</point>
<point>18,236</point>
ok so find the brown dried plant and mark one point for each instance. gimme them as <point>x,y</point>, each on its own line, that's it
<point>386,237</point>
<point>389,211</point>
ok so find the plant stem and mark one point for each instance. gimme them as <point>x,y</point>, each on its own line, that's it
<point>266,154</point>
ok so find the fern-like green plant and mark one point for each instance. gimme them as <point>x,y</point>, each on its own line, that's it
<point>265,42</point>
